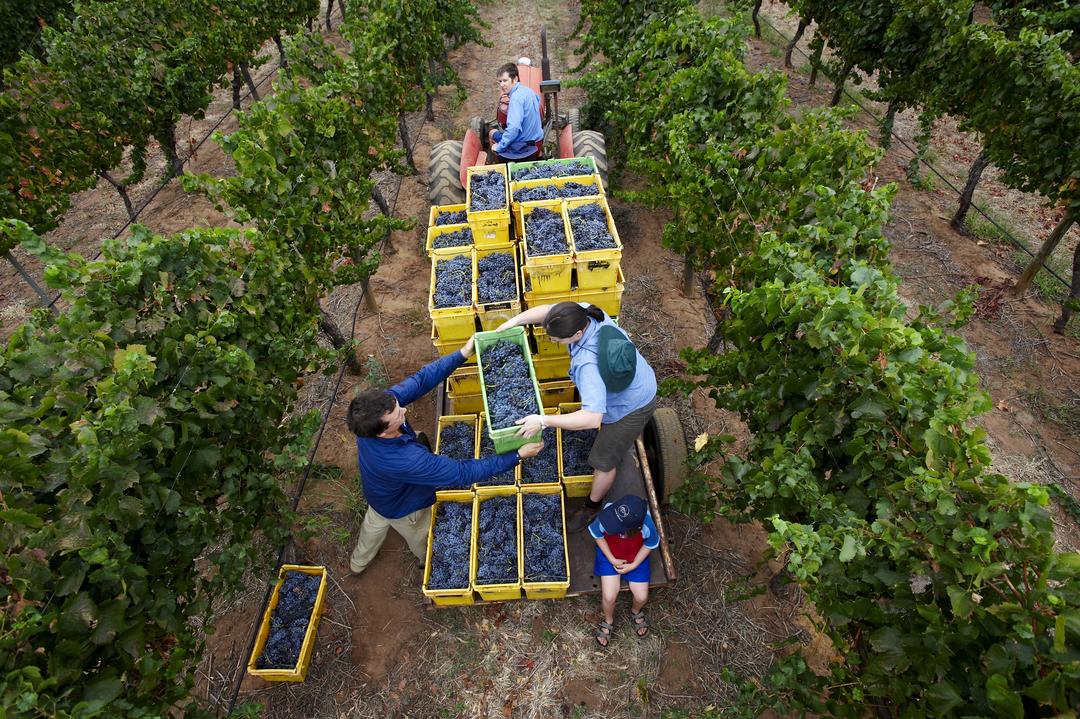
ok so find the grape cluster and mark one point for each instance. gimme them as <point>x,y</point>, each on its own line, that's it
<point>510,391</point>
<point>450,546</point>
<point>289,622</point>
<point>456,441</point>
<point>496,551</point>
<point>576,446</point>
<point>554,192</point>
<point>551,169</point>
<point>544,466</point>
<point>451,218</point>
<point>545,555</point>
<point>545,233</point>
<point>488,192</point>
<point>453,282</point>
<point>495,278</point>
<point>590,228</point>
<point>457,238</point>
<point>487,449</point>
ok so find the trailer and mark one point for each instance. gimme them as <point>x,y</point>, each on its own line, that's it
<point>653,469</point>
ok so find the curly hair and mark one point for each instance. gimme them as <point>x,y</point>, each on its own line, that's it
<point>366,411</point>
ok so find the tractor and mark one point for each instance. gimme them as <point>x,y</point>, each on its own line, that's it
<point>563,136</point>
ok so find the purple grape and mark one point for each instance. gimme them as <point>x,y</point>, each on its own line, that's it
<point>551,169</point>
<point>289,622</point>
<point>457,238</point>
<point>495,278</point>
<point>576,446</point>
<point>450,542</point>
<point>511,393</point>
<point>488,192</point>
<point>545,233</point>
<point>542,530</point>
<point>544,466</point>
<point>589,225</point>
<point>457,217</point>
<point>554,192</point>
<point>496,551</point>
<point>453,282</point>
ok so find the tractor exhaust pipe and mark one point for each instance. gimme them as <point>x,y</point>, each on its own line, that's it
<point>545,64</point>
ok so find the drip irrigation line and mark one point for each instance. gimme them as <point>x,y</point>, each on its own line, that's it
<point>311,460</point>
<point>1008,235</point>
<point>146,203</point>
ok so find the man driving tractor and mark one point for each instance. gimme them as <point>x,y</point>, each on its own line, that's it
<point>524,134</point>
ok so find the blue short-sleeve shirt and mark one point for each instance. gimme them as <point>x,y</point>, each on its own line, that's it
<point>585,373</point>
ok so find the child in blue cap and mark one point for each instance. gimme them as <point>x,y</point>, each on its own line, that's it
<point>625,534</point>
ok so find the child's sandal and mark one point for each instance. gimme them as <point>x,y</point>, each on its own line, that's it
<point>641,623</point>
<point>603,633</point>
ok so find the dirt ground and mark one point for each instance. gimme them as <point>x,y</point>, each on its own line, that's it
<point>381,650</point>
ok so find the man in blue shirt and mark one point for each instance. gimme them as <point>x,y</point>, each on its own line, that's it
<point>523,129</point>
<point>399,474</point>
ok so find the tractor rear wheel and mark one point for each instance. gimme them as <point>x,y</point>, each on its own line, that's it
<point>444,178</point>
<point>590,143</point>
<point>665,448</point>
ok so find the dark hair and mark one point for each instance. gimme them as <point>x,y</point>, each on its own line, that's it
<point>566,318</point>
<point>365,418</point>
<point>510,69</point>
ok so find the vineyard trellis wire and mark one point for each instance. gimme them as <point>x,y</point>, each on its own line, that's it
<point>919,156</point>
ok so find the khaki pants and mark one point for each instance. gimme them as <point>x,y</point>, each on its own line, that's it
<point>412,527</point>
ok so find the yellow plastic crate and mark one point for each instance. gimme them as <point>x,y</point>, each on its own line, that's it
<point>491,592</point>
<point>448,419</point>
<point>435,231</point>
<point>576,485</point>
<point>502,213</point>
<point>299,672</point>
<point>548,273</point>
<point>492,234</point>
<point>534,298</point>
<point>542,590</point>
<point>493,314</point>
<point>452,323</point>
<point>448,597</point>
<point>436,210</point>
<point>545,347</point>
<point>549,411</point>
<point>480,427</point>
<point>515,207</point>
<point>609,300</point>
<point>554,393</point>
<point>445,347</point>
<point>465,403</point>
<point>465,380</point>
<point>596,269</point>
<point>552,367</point>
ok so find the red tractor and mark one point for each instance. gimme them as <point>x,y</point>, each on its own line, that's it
<point>563,137</point>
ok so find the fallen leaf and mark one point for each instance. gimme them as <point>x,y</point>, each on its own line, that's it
<point>701,441</point>
<point>1002,406</point>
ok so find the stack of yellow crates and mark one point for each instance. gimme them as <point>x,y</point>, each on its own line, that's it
<point>577,276</point>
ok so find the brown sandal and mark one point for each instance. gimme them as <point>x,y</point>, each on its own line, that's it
<point>641,622</point>
<point>603,633</point>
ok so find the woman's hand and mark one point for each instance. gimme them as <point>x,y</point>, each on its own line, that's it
<point>626,567</point>
<point>469,348</point>
<point>530,425</point>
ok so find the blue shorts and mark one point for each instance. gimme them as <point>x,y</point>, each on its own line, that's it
<point>602,568</point>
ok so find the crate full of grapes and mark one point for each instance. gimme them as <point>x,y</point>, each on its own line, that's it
<point>546,249</point>
<point>286,638</point>
<point>450,299</point>
<point>487,201</point>
<point>449,549</point>
<point>498,297</point>
<point>545,564</point>
<point>574,448</point>
<point>597,247</point>
<point>495,562</point>
<point>508,385</point>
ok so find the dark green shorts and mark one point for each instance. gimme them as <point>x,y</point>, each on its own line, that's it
<point>615,438</point>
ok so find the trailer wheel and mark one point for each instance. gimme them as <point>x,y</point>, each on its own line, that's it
<point>573,118</point>
<point>665,448</point>
<point>590,143</point>
<point>444,178</point>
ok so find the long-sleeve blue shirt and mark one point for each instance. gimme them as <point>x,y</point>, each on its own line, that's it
<point>400,475</point>
<point>523,126</point>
